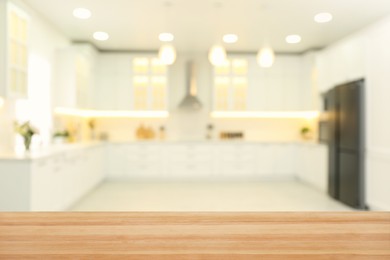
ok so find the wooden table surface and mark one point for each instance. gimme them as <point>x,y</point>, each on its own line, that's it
<point>305,235</point>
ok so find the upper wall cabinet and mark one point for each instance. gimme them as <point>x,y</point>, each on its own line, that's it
<point>241,85</point>
<point>342,62</point>
<point>75,77</point>
<point>231,85</point>
<point>131,82</point>
<point>14,51</point>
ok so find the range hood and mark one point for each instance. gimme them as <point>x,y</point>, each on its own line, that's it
<point>190,101</point>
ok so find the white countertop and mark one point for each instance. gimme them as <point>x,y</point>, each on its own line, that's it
<point>60,148</point>
<point>46,151</point>
<point>212,142</point>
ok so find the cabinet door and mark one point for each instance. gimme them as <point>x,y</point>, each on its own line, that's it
<point>64,92</point>
<point>257,87</point>
<point>324,64</point>
<point>189,161</point>
<point>143,162</point>
<point>75,70</point>
<point>235,162</point>
<point>116,161</point>
<point>16,41</point>
<point>48,187</point>
<point>284,158</point>
<point>42,185</point>
<point>264,161</point>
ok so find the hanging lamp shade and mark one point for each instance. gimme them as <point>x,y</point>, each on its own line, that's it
<point>217,55</point>
<point>266,57</point>
<point>167,54</point>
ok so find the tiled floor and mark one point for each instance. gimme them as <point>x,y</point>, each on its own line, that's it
<point>260,196</point>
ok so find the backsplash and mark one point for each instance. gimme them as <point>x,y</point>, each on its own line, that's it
<point>184,126</point>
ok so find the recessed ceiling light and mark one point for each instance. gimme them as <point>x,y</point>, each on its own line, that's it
<point>166,37</point>
<point>230,38</point>
<point>82,13</point>
<point>101,36</point>
<point>323,18</point>
<point>293,39</point>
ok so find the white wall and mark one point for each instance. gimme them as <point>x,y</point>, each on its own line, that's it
<point>378,116</point>
<point>44,40</point>
<point>366,54</point>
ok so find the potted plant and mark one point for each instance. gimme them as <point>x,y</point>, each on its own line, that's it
<point>27,132</point>
<point>61,136</point>
<point>306,132</point>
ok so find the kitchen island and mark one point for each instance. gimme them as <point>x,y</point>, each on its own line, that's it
<point>54,179</point>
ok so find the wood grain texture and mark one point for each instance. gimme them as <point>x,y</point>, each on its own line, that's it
<point>156,235</point>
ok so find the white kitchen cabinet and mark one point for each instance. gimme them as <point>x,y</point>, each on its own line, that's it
<point>115,161</point>
<point>60,180</point>
<point>75,77</point>
<point>14,28</point>
<point>286,86</point>
<point>144,162</point>
<point>113,82</point>
<point>312,165</point>
<point>53,182</point>
<point>188,161</point>
<point>201,161</point>
<point>284,157</point>
<point>47,183</point>
<point>235,161</point>
<point>275,161</point>
<point>131,82</point>
<point>342,62</point>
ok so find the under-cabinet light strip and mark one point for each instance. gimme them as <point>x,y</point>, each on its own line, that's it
<point>109,113</point>
<point>269,114</point>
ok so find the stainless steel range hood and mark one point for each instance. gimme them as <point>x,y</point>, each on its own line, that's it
<point>191,101</point>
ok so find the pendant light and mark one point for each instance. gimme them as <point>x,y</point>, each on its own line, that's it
<point>217,53</point>
<point>167,52</point>
<point>266,57</point>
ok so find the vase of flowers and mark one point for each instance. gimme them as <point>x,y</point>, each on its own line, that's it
<point>27,132</point>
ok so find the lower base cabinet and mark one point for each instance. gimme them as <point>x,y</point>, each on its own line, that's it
<point>51,183</point>
<point>57,181</point>
<point>202,161</point>
<point>312,166</point>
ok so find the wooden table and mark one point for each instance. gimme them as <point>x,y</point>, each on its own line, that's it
<point>223,236</point>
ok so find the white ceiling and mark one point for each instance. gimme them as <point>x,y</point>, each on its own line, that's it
<point>197,24</point>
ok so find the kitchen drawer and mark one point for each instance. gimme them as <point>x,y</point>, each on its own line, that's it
<point>190,171</point>
<point>236,157</point>
<point>134,167</point>
<point>189,148</point>
<point>149,157</point>
<point>196,157</point>
<point>144,148</point>
<point>236,148</point>
<point>236,170</point>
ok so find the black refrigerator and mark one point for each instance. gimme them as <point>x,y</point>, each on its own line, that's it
<point>344,106</point>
